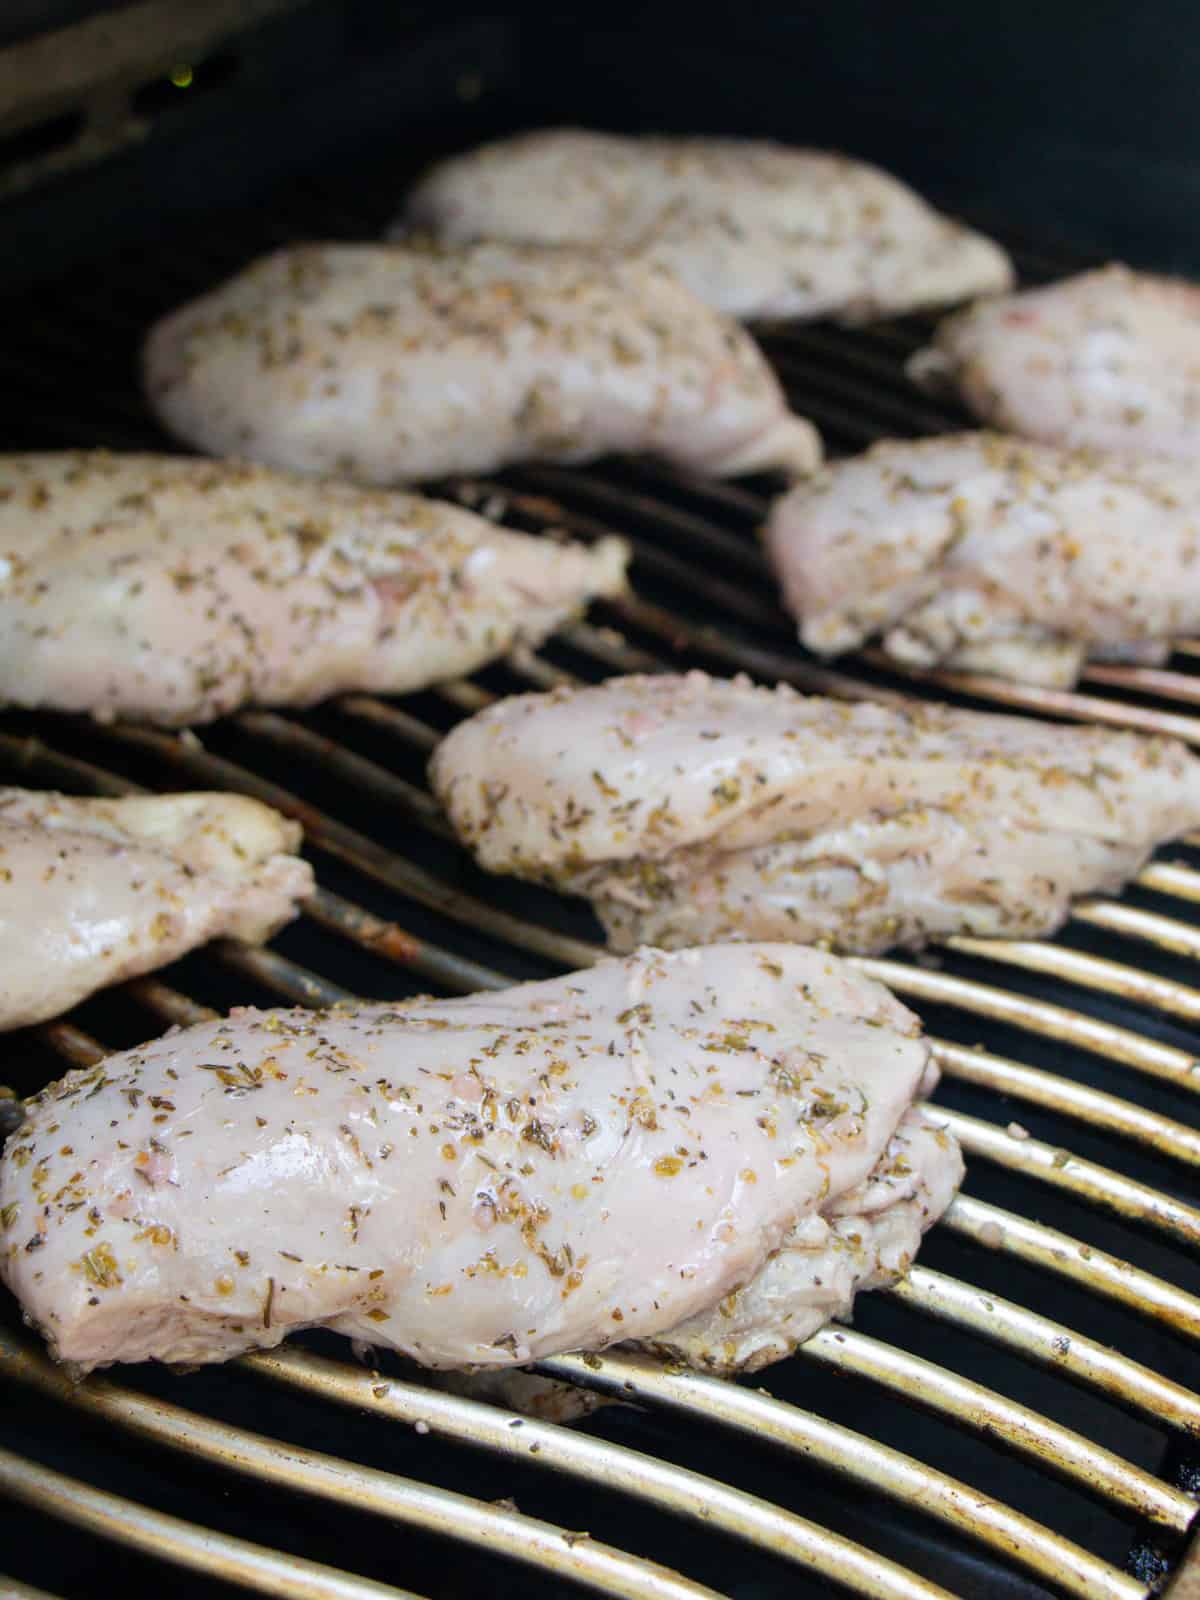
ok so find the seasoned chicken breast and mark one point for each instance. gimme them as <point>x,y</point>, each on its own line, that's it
<point>93,891</point>
<point>695,809</point>
<point>176,591</point>
<point>469,1181</point>
<point>1109,359</point>
<point>753,228</point>
<point>392,363</point>
<point>865,1239</point>
<point>979,551</point>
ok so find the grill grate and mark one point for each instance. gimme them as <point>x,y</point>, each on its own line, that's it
<point>1017,1418</point>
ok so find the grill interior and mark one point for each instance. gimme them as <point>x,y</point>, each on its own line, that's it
<point>1016,1419</point>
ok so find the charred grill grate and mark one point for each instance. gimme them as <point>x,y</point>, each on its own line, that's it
<point>1015,1419</point>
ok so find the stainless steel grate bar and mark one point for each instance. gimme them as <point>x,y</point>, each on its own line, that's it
<point>872,1466</point>
<point>153,1533</point>
<point>568,1555</point>
<point>1092,1106</point>
<point>883,1470</point>
<point>1083,1462</point>
<point>1040,1017</point>
<point>1065,703</point>
<point>1095,1270</point>
<point>1049,1344</point>
<point>1090,972</point>
<point>595,1461</point>
<point>1051,1164</point>
<point>10,1589</point>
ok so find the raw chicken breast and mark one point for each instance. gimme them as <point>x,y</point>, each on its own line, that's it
<point>1109,359</point>
<point>176,591</point>
<point>997,554</point>
<point>393,363</point>
<point>865,1239</point>
<point>470,1181</point>
<point>93,891</point>
<point>695,809</point>
<point>753,228</point>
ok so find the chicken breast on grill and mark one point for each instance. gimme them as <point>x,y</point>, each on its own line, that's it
<point>93,891</point>
<point>997,554</point>
<point>176,591</point>
<point>1109,359</point>
<point>865,1239</point>
<point>605,1157</point>
<point>756,229</point>
<point>392,363</point>
<point>694,809</point>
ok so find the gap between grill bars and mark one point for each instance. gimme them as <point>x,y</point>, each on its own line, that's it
<point>1093,1043</point>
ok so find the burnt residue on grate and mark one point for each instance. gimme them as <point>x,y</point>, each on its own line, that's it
<point>1015,1419</point>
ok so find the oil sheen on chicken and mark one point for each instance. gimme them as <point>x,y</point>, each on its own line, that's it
<point>706,1151</point>
<point>389,364</point>
<point>756,229</point>
<point>176,590</point>
<point>1109,359</point>
<point>93,891</point>
<point>994,554</point>
<point>693,809</point>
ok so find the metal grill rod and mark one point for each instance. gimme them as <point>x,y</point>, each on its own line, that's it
<point>1048,1344</point>
<point>1158,681</point>
<point>1178,937</point>
<point>1081,1461</point>
<point>72,1042</point>
<point>495,1528</point>
<point>871,1465</point>
<point>1047,1163</point>
<point>153,1533</point>
<point>10,1589</point>
<point>1091,972</point>
<point>1038,1016</point>
<point>545,1444</point>
<point>1064,703</point>
<point>874,1466</point>
<point>355,849</point>
<point>697,532</point>
<point>1062,1095</point>
<point>1094,1270</point>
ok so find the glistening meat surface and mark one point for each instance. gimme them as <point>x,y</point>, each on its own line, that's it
<point>560,1166</point>
<point>994,554</point>
<point>1108,359</point>
<point>694,809</point>
<point>176,590</point>
<point>92,891</point>
<point>388,364</point>
<point>753,228</point>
